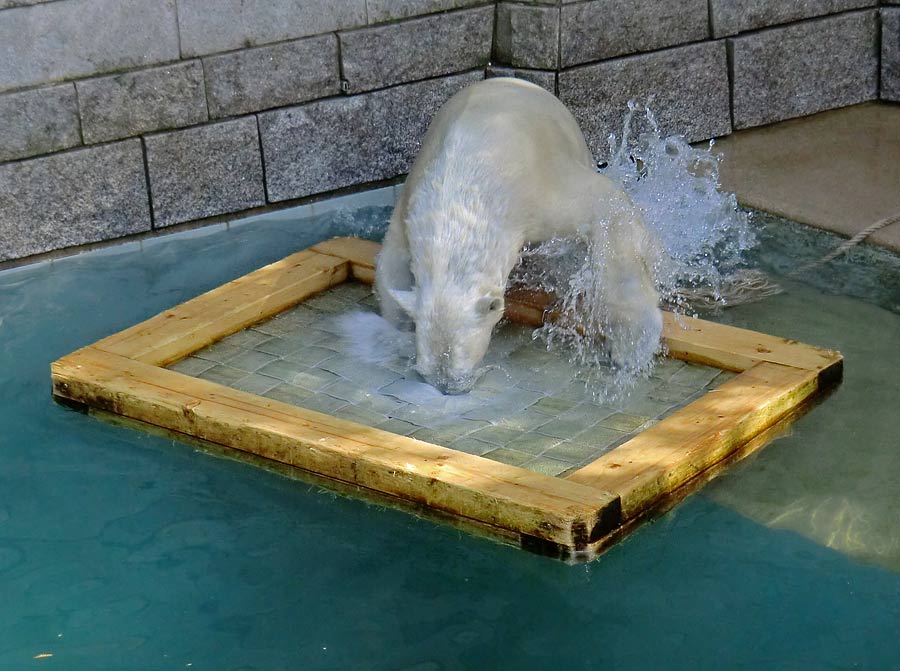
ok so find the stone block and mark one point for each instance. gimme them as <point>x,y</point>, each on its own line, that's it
<point>394,10</point>
<point>119,106</point>
<point>601,29</point>
<point>730,17</point>
<point>890,54</point>
<point>544,79</point>
<point>416,49</point>
<point>235,24</point>
<point>527,36</point>
<point>38,121</point>
<point>282,74</point>
<point>72,198</point>
<point>804,68</point>
<point>204,171</point>
<point>687,88</point>
<point>329,144</point>
<point>78,38</point>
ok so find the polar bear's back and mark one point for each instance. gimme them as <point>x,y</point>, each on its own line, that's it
<point>520,136</point>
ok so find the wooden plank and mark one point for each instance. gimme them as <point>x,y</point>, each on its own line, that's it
<point>697,340</point>
<point>539,506</point>
<point>668,454</point>
<point>360,253</point>
<point>738,349</point>
<point>175,333</point>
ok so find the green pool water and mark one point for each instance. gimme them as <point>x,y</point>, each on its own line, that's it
<point>121,550</point>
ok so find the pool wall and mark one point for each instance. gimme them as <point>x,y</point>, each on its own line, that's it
<point>123,117</point>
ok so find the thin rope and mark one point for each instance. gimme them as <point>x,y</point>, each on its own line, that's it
<point>847,245</point>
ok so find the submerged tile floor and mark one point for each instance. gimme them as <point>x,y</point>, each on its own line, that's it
<point>530,409</point>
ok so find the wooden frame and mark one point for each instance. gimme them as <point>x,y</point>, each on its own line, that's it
<point>572,517</point>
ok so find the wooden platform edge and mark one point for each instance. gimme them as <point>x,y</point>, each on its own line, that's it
<point>665,456</point>
<point>194,324</point>
<point>565,515</point>
<point>566,518</point>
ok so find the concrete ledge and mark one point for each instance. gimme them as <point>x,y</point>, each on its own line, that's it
<point>73,198</point>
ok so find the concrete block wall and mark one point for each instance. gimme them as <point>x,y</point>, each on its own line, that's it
<point>119,117</point>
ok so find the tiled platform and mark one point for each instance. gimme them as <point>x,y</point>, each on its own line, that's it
<point>838,170</point>
<point>531,409</point>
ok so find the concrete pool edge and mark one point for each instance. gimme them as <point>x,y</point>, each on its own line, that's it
<point>121,374</point>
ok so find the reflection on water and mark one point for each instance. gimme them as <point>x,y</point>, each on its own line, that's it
<point>834,478</point>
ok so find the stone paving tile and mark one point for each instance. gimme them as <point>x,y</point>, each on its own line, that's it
<point>572,453</point>
<point>256,384</point>
<point>314,379</point>
<point>546,466</point>
<point>281,346</point>
<point>192,366</point>
<point>621,421</point>
<point>561,428</point>
<point>553,405</point>
<point>691,374</point>
<point>507,456</point>
<point>310,355</point>
<point>347,391</point>
<point>397,426</point>
<point>246,339</point>
<point>530,408</point>
<point>599,438</point>
<point>324,403</point>
<point>383,404</point>
<point>526,420</point>
<point>360,415</point>
<point>497,435</point>
<point>533,443</point>
<point>251,360</point>
<point>288,393</point>
<point>219,352</point>
<point>283,370</point>
<point>473,446</point>
<point>223,374</point>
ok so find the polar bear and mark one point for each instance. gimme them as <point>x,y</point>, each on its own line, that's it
<point>503,164</point>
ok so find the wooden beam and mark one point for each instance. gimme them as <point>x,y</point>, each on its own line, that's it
<point>175,333</point>
<point>738,349</point>
<point>563,513</point>
<point>668,454</point>
<point>360,253</point>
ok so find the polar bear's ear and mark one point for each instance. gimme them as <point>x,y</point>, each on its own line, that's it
<point>406,300</point>
<point>491,304</point>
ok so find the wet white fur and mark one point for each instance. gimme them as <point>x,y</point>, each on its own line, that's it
<point>503,163</point>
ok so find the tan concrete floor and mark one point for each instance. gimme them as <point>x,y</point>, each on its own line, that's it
<point>838,170</point>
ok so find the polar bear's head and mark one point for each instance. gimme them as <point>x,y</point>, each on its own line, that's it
<point>453,332</point>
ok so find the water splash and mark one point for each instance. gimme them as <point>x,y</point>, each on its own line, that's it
<point>701,236</point>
